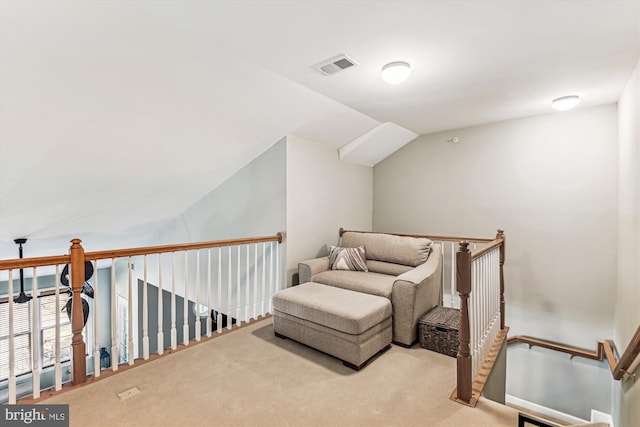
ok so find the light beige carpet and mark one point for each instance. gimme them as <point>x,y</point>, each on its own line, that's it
<point>251,378</point>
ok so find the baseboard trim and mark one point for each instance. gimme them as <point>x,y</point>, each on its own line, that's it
<point>543,410</point>
<point>601,417</point>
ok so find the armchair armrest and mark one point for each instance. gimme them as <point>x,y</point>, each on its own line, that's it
<point>414,293</point>
<point>310,267</point>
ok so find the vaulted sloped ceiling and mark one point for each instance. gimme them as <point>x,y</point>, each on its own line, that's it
<point>112,119</point>
<point>116,114</point>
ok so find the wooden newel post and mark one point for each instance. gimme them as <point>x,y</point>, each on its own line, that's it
<point>77,318</point>
<point>501,235</point>
<point>463,286</point>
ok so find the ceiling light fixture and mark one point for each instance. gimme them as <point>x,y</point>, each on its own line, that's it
<point>565,103</point>
<point>396,72</point>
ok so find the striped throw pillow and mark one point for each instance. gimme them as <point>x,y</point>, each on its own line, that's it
<point>353,259</point>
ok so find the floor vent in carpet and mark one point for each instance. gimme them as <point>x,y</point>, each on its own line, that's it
<point>128,393</point>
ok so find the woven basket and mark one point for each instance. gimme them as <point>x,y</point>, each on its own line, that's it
<point>439,330</point>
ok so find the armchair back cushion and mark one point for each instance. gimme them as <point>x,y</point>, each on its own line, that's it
<point>387,267</point>
<point>410,251</point>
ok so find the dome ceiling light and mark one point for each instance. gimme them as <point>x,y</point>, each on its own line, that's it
<point>565,103</point>
<point>396,72</point>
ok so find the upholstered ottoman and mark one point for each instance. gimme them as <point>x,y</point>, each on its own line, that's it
<point>352,326</point>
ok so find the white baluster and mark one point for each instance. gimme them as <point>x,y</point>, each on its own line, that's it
<point>35,337</point>
<point>496,290</point>
<point>247,303</point>
<point>496,266</point>
<point>270,275</point>
<point>198,324</point>
<point>238,290</point>
<point>130,356</point>
<point>115,355</point>
<point>491,311</point>
<point>443,287</point>
<point>209,292</point>
<point>482,326</point>
<point>278,267</point>
<point>160,308</point>
<point>219,316</point>
<point>229,293</point>
<point>255,282</point>
<point>493,284</point>
<point>485,320</point>
<point>479,326</point>
<point>96,329</point>
<point>485,287</point>
<point>472,336</point>
<point>264,275</point>
<point>174,331</point>
<point>12,349</point>
<point>490,288</point>
<point>453,273</point>
<point>145,314</point>
<point>185,301</point>
<point>487,296</point>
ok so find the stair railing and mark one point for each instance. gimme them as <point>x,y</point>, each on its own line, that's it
<point>248,273</point>
<point>474,284</point>
<point>480,284</point>
<point>604,350</point>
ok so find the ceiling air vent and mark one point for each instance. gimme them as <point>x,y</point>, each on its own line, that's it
<point>335,64</point>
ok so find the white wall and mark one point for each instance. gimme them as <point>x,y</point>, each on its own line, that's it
<point>627,317</point>
<point>550,181</point>
<point>323,194</point>
<point>251,203</point>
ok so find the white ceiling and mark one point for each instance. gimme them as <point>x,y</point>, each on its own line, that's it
<point>473,61</point>
<point>131,111</point>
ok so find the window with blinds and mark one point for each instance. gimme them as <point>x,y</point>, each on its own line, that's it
<point>22,319</point>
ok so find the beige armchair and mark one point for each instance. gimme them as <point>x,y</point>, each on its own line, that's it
<point>405,270</point>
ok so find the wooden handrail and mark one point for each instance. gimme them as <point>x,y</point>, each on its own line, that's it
<point>13,264</point>
<point>603,351</point>
<point>598,355</point>
<point>628,357</point>
<point>120,253</point>
<point>428,236</point>
<point>483,250</point>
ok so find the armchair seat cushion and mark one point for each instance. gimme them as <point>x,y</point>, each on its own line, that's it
<point>359,281</point>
